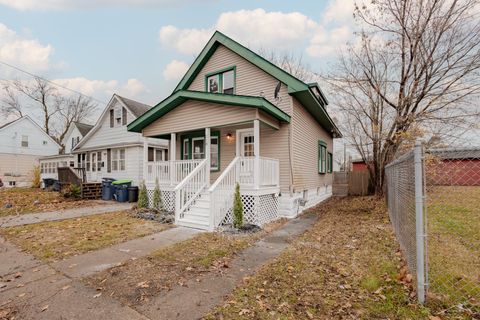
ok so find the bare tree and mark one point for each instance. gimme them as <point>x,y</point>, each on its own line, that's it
<point>9,104</point>
<point>413,71</point>
<point>58,109</point>
<point>74,109</point>
<point>290,62</point>
<point>44,94</point>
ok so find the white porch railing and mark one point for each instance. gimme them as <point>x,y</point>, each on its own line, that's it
<point>221,193</point>
<point>189,188</point>
<point>170,172</point>
<point>269,172</point>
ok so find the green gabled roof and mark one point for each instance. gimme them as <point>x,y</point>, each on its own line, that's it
<point>180,96</point>
<point>218,38</point>
<point>297,88</point>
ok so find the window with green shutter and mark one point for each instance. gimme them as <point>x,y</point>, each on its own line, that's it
<point>322,157</point>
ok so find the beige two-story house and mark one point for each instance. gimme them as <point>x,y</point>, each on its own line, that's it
<point>236,117</point>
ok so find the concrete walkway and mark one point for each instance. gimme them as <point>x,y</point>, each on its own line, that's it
<point>194,299</point>
<point>95,261</point>
<point>30,218</point>
<point>28,285</point>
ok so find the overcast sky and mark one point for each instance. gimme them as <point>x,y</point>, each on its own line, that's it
<point>141,48</point>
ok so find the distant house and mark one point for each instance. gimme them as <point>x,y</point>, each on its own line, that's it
<point>50,164</point>
<point>453,167</point>
<point>237,118</point>
<point>23,142</point>
<point>108,150</point>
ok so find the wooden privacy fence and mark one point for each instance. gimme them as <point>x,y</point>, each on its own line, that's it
<point>353,183</point>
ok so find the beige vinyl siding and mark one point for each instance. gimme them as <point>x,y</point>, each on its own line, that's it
<point>274,144</point>
<point>193,115</point>
<point>305,135</point>
<point>249,81</point>
<point>18,168</point>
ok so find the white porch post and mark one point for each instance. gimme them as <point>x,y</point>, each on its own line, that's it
<point>173,155</point>
<point>256,151</point>
<point>207,153</point>
<point>145,159</point>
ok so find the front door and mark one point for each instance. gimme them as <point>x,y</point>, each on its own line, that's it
<point>246,148</point>
<point>198,148</point>
<point>96,161</point>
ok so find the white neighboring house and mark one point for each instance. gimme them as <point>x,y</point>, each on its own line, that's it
<point>49,164</point>
<point>22,143</point>
<point>110,151</point>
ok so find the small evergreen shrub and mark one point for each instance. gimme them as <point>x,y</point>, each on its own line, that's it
<point>72,191</point>
<point>142,196</point>
<point>157,199</point>
<point>237,208</point>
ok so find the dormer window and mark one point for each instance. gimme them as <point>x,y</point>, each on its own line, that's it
<point>221,81</point>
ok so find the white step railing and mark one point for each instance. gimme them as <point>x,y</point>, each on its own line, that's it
<point>170,172</point>
<point>221,193</point>
<point>189,188</point>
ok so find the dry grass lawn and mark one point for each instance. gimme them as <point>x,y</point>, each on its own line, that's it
<point>135,281</point>
<point>454,247</point>
<point>56,240</point>
<point>23,201</point>
<point>345,267</point>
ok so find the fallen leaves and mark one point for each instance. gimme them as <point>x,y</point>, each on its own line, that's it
<point>321,275</point>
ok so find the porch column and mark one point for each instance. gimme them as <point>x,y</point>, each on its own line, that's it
<point>207,154</point>
<point>173,155</point>
<point>256,152</point>
<point>145,159</point>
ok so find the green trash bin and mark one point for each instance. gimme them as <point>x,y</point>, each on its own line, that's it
<point>121,189</point>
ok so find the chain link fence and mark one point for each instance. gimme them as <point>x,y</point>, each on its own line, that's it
<point>434,205</point>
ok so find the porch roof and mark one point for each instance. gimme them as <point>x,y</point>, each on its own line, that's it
<point>181,96</point>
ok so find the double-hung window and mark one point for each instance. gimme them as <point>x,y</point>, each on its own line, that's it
<point>25,141</point>
<point>330,163</point>
<point>322,157</point>
<point>221,82</point>
<point>118,159</point>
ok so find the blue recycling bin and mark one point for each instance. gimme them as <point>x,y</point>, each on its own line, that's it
<point>107,193</point>
<point>121,189</point>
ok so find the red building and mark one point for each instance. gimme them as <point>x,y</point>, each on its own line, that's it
<point>453,167</point>
<point>358,165</point>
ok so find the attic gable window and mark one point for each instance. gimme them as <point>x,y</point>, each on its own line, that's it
<point>118,117</point>
<point>222,81</point>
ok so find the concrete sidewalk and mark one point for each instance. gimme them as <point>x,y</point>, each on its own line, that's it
<point>37,290</point>
<point>30,218</point>
<point>34,290</point>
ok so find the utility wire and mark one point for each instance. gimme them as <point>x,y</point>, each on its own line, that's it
<point>50,81</point>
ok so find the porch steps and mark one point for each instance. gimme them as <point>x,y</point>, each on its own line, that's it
<point>198,215</point>
<point>91,190</point>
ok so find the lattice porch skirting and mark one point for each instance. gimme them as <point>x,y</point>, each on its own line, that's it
<point>257,209</point>
<point>168,198</point>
